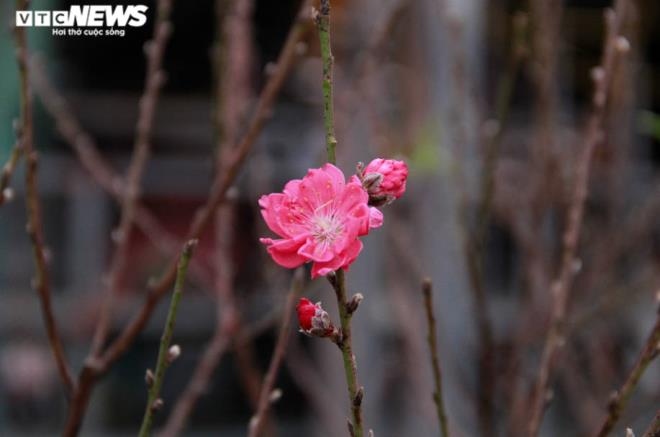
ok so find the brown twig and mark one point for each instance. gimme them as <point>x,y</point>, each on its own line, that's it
<point>477,239</point>
<point>95,368</point>
<point>198,384</point>
<point>427,290</point>
<point>654,428</point>
<point>233,64</point>
<point>220,186</point>
<point>100,169</point>
<point>505,88</point>
<point>223,338</point>
<point>155,79</point>
<point>311,383</point>
<point>265,396</point>
<point>620,397</point>
<point>34,224</point>
<point>614,44</point>
<point>470,246</point>
<point>6,193</point>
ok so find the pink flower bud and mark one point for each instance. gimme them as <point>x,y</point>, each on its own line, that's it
<point>385,180</point>
<point>314,321</point>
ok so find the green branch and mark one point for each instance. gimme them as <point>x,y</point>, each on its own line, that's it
<point>323,23</point>
<point>355,392</point>
<point>155,381</point>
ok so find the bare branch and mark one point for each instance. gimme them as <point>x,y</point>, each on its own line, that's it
<point>101,170</point>
<point>654,427</point>
<point>620,397</point>
<point>34,224</point>
<point>155,79</point>
<point>562,284</point>
<point>220,186</point>
<point>427,290</point>
<point>256,423</point>
<point>166,354</point>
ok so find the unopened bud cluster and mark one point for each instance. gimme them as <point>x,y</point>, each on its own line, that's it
<point>314,320</point>
<point>384,180</point>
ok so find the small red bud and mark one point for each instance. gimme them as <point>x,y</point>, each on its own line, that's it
<point>313,319</point>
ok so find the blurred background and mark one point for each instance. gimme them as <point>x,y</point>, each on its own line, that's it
<point>487,103</point>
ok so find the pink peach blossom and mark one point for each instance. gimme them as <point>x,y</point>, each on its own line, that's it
<point>319,219</point>
<point>385,179</point>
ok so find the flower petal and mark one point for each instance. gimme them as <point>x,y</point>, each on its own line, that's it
<point>315,251</point>
<point>375,218</point>
<point>285,252</point>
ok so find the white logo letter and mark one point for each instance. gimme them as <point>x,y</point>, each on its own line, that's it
<point>117,16</point>
<point>42,18</point>
<point>78,15</point>
<point>60,18</point>
<point>23,18</point>
<point>96,16</point>
<point>138,15</point>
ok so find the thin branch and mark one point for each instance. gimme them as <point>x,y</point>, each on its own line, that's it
<point>231,56</point>
<point>94,368</point>
<point>620,397</point>
<point>505,88</point>
<point>236,18</point>
<point>614,45</point>
<point>338,280</point>
<point>654,427</point>
<point>224,337</point>
<point>323,24</point>
<point>311,383</point>
<point>265,400</point>
<point>355,391</point>
<point>220,186</point>
<point>6,193</point>
<point>100,169</point>
<point>198,384</point>
<point>427,290</point>
<point>34,215</point>
<point>165,355</point>
<point>155,79</point>
<point>471,246</point>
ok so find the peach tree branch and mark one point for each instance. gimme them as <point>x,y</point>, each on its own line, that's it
<point>613,46</point>
<point>427,290</point>
<point>34,224</point>
<point>267,387</point>
<point>165,354</point>
<point>620,397</point>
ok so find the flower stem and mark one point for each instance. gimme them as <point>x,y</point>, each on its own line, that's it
<point>338,281</point>
<point>323,23</point>
<point>355,392</point>
<point>427,289</point>
<point>163,362</point>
